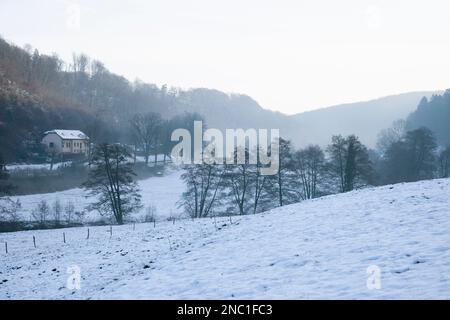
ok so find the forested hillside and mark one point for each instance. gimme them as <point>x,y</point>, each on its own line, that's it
<point>39,92</point>
<point>434,113</point>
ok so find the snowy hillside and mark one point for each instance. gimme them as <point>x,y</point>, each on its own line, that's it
<point>315,249</point>
<point>161,192</point>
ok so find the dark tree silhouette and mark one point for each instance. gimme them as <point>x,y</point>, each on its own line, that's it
<point>349,162</point>
<point>203,183</point>
<point>147,132</point>
<point>412,158</point>
<point>309,166</point>
<point>282,185</point>
<point>112,181</point>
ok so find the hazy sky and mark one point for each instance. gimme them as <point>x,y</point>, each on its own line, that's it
<point>290,56</point>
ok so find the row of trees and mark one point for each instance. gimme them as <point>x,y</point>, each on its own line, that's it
<point>213,189</point>
<point>234,188</point>
<point>311,172</point>
<point>303,174</point>
<point>57,213</point>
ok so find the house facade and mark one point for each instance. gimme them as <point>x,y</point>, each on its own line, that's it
<point>71,142</point>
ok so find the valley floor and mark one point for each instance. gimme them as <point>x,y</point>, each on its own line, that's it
<point>161,192</point>
<point>315,249</point>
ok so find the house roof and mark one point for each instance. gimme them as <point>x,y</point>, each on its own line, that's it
<point>68,134</point>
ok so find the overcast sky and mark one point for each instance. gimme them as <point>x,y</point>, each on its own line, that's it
<point>290,56</point>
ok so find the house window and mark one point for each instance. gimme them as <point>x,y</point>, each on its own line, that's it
<point>51,145</point>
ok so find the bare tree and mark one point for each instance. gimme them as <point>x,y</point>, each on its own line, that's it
<point>41,212</point>
<point>165,139</point>
<point>281,186</point>
<point>391,135</point>
<point>203,182</point>
<point>309,166</point>
<point>238,182</point>
<point>146,130</point>
<point>57,211</point>
<point>150,215</point>
<point>9,209</point>
<point>69,211</point>
<point>112,180</point>
<point>80,63</point>
<point>349,162</point>
<point>259,184</point>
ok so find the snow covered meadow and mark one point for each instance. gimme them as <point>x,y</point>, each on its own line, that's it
<point>162,192</point>
<point>315,249</point>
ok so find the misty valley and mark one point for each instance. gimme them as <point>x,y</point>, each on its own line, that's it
<point>202,155</point>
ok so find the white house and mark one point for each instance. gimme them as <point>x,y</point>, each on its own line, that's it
<point>66,142</point>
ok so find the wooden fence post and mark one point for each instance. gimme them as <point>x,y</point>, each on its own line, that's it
<point>110,231</point>
<point>34,242</point>
<point>87,235</point>
<point>64,237</point>
<point>6,247</point>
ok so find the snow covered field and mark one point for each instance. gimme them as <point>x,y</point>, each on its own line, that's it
<point>42,166</point>
<point>315,249</point>
<point>161,192</point>
<point>47,166</point>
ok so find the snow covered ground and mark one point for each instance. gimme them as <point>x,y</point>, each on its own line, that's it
<point>315,249</point>
<point>47,166</point>
<point>40,166</point>
<point>161,192</point>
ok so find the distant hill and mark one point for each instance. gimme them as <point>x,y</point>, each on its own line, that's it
<point>365,119</point>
